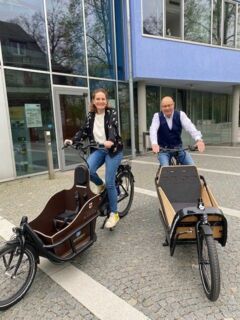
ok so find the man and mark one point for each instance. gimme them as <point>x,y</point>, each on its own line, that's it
<point>166,129</point>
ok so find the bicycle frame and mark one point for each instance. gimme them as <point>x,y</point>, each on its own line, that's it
<point>190,214</point>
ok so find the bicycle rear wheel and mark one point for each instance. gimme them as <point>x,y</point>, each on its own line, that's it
<point>209,266</point>
<point>125,189</point>
<point>17,271</point>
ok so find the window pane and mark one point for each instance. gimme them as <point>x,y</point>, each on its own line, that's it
<point>207,107</point>
<point>152,17</point>
<point>238,28</point>
<point>70,81</point>
<point>196,108</point>
<point>181,103</point>
<point>110,86</point>
<point>66,36</point>
<point>125,122</point>
<point>171,92</point>
<point>23,34</point>
<point>229,24</point>
<point>173,18</point>
<point>153,102</point>
<point>119,39</point>
<point>30,109</point>
<point>217,13</point>
<point>197,20</point>
<point>220,118</point>
<point>100,44</point>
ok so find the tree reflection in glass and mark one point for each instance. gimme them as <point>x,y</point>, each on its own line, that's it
<point>216,29</point>
<point>100,45</point>
<point>197,20</point>
<point>152,11</point>
<point>23,34</point>
<point>229,24</point>
<point>66,36</point>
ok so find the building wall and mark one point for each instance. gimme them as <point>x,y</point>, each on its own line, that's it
<point>169,59</point>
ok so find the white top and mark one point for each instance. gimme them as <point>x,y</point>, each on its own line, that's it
<point>185,121</point>
<point>98,128</point>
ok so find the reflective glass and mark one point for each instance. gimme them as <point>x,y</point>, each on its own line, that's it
<point>229,24</point>
<point>73,115</point>
<point>221,125</point>
<point>173,19</point>
<point>152,13</point>
<point>100,44</point>
<point>217,13</point>
<point>23,34</point>
<point>66,36</point>
<point>207,107</point>
<point>197,20</point>
<point>30,109</point>
<point>238,30</point>
<point>69,81</point>
<point>196,107</point>
<point>119,39</point>
<point>165,91</point>
<point>125,121</point>
<point>110,86</point>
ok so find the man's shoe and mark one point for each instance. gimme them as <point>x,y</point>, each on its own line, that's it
<point>101,188</point>
<point>112,221</point>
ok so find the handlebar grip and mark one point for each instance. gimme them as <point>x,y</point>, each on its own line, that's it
<point>192,148</point>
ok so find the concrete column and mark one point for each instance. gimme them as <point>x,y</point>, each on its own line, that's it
<point>235,114</point>
<point>142,113</point>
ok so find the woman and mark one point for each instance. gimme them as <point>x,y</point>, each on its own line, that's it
<point>101,126</point>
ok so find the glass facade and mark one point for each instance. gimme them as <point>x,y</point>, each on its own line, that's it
<point>66,36</point>
<point>210,112</point>
<point>100,38</point>
<point>215,22</point>
<point>31,113</point>
<point>47,45</point>
<point>124,110</point>
<point>23,34</point>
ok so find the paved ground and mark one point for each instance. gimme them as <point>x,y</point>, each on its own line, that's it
<point>131,261</point>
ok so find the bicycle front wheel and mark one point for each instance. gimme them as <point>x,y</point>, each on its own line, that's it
<point>17,271</point>
<point>125,190</point>
<point>209,266</point>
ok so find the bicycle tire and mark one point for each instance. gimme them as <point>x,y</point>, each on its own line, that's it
<point>125,187</point>
<point>13,288</point>
<point>209,266</point>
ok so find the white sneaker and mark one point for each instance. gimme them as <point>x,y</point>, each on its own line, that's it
<point>112,221</point>
<point>101,188</point>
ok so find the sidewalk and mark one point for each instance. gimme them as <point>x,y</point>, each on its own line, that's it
<point>131,261</point>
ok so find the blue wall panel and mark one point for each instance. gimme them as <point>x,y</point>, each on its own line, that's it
<point>158,58</point>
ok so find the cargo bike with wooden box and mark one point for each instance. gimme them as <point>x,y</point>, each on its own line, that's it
<point>64,228</point>
<point>190,214</point>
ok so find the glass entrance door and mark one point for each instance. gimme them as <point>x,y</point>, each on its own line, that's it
<point>71,104</point>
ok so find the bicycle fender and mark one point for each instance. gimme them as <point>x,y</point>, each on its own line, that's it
<point>206,229</point>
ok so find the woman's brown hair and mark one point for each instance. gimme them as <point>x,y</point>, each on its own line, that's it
<point>92,106</point>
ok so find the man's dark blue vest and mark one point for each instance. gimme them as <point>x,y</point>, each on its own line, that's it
<point>170,138</point>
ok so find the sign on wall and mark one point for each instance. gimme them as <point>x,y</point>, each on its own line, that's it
<point>33,115</point>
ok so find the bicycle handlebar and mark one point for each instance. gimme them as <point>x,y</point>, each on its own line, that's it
<point>81,146</point>
<point>190,148</point>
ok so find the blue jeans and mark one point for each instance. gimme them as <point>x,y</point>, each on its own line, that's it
<point>96,159</point>
<point>183,157</point>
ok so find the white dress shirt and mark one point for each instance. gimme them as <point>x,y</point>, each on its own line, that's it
<point>185,122</point>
